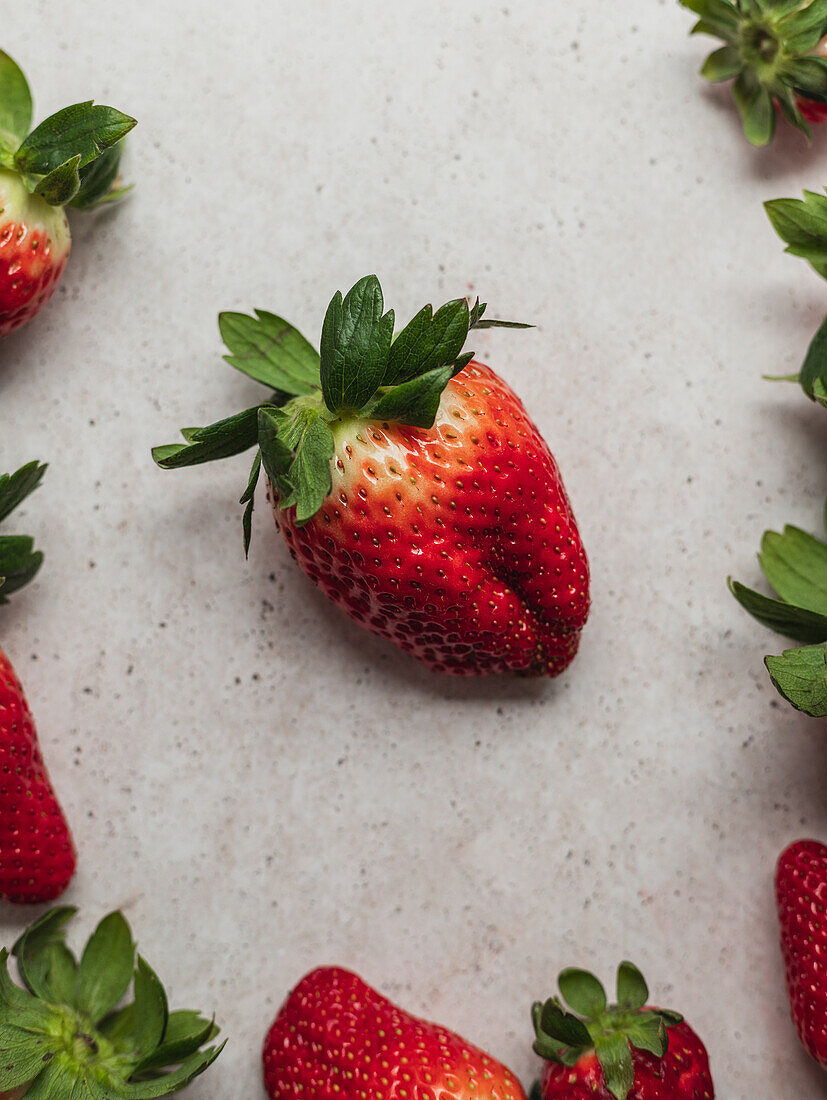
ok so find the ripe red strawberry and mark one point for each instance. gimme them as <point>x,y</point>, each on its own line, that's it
<point>37,857</point>
<point>775,53</point>
<point>335,1036</point>
<point>626,1050</point>
<point>71,159</point>
<point>410,484</point>
<point>801,890</point>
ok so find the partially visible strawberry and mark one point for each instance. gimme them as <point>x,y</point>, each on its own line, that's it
<point>774,50</point>
<point>37,857</point>
<point>334,1036</point>
<point>629,1051</point>
<point>410,484</point>
<point>71,159</point>
<point>801,895</point>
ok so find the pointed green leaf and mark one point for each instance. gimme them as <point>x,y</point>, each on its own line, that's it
<point>149,1014</point>
<point>802,225</point>
<point>808,76</point>
<point>793,622</point>
<point>723,64</point>
<point>62,183</point>
<point>169,1083</point>
<point>15,99</point>
<point>648,1032</point>
<point>270,350</point>
<point>615,1059</point>
<point>248,498</point>
<point>795,564</point>
<point>83,129</point>
<point>19,562</point>
<point>427,342</point>
<point>582,992</point>
<point>548,1048</point>
<point>800,675</point>
<point>47,966</point>
<point>632,991</point>
<point>276,455</point>
<point>14,488</point>
<point>310,473</point>
<point>415,402</point>
<point>105,967</point>
<point>99,181</point>
<point>755,106</point>
<point>556,1023</point>
<point>814,367</point>
<point>186,1032</point>
<point>356,342</point>
<point>226,437</point>
<point>717,17</point>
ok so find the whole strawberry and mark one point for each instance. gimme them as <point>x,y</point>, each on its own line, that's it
<point>71,159</point>
<point>37,857</point>
<point>774,52</point>
<point>335,1036</point>
<point>67,1035</point>
<point>800,890</point>
<point>409,483</point>
<point>624,1050</point>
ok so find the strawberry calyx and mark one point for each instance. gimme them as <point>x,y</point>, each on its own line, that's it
<point>19,561</point>
<point>73,157</point>
<point>363,372</point>
<point>607,1030</point>
<point>65,1033</point>
<point>769,53</point>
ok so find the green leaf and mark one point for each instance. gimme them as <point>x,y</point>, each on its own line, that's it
<point>582,992</point>
<point>185,1033</point>
<point>47,966</point>
<point>427,342</point>
<point>717,17</point>
<point>615,1058</point>
<point>24,1031</point>
<point>191,1068</point>
<point>723,64</point>
<point>15,99</point>
<point>548,1049</point>
<point>62,184</point>
<point>814,367</point>
<point>795,564</point>
<point>803,29</point>
<point>793,622</point>
<point>105,967</point>
<point>80,129</point>
<point>270,350</point>
<point>415,402</point>
<point>632,991</point>
<point>19,562</point>
<point>800,675</point>
<point>98,181</point>
<point>248,498</point>
<point>355,345</point>
<point>149,1014</point>
<point>559,1024</point>
<point>808,76</point>
<point>226,437</point>
<point>648,1032</point>
<point>14,488</point>
<point>755,106</point>
<point>310,474</point>
<point>276,455</point>
<point>802,225</point>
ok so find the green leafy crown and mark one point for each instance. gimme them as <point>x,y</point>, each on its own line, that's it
<point>795,564</point>
<point>66,1035</point>
<point>363,370</point>
<point>768,53</point>
<point>19,561</point>
<point>802,224</point>
<point>73,158</point>
<point>609,1030</point>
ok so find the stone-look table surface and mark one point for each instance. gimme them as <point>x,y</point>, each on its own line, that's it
<point>258,784</point>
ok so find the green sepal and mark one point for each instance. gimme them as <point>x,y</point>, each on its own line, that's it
<point>185,1033</point>
<point>248,498</point>
<point>62,183</point>
<point>755,105</point>
<point>802,225</point>
<point>582,991</point>
<point>15,99</point>
<point>25,1043</point>
<point>813,376</point>
<point>795,564</point>
<point>276,455</point>
<point>649,1033</point>
<point>615,1057</point>
<point>723,64</point>
<point>47,967</point>
<point>800,675</point>
<point>106,967</point>
<point>429,341</point>
<point>270,350</point>
<point>149,1016</point>
<point>84,128</point>
<point>717,17</point>
<point>99,181</point>
<point>14,488</point>
<point>227,437</point>
<point>178,1079</point>
<point>476,315</point>
<point>415,402</point>
<point>309,473</point>
<point>808,75</point>
<point>355,346</point>
<point>792,622</point>
<point>19,562</point>
<point>558,1024</point>
<point>632,991</point>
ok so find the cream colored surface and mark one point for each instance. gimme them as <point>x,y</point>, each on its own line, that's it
<point>258,783</point>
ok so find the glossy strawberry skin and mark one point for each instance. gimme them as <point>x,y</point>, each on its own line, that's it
<point>37,856</point>
<point>34,248</point>
<point>335,1038</point>
<point>682,1074</point>
<point>801,895</point>
<point>458,542</point>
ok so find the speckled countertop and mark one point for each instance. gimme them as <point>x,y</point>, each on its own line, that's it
<point>258,784</point>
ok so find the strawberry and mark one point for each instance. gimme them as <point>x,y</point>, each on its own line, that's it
<point>335,1036</point>
<point>626,1050</point>
<point>774,50</point>
<point>800,890</point>
<point>409,483</point>
<point>71,159</point>
<point>66,1034</point>
<point>37,857</point>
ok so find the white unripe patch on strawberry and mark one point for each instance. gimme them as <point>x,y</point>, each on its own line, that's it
<point>19,207</point>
